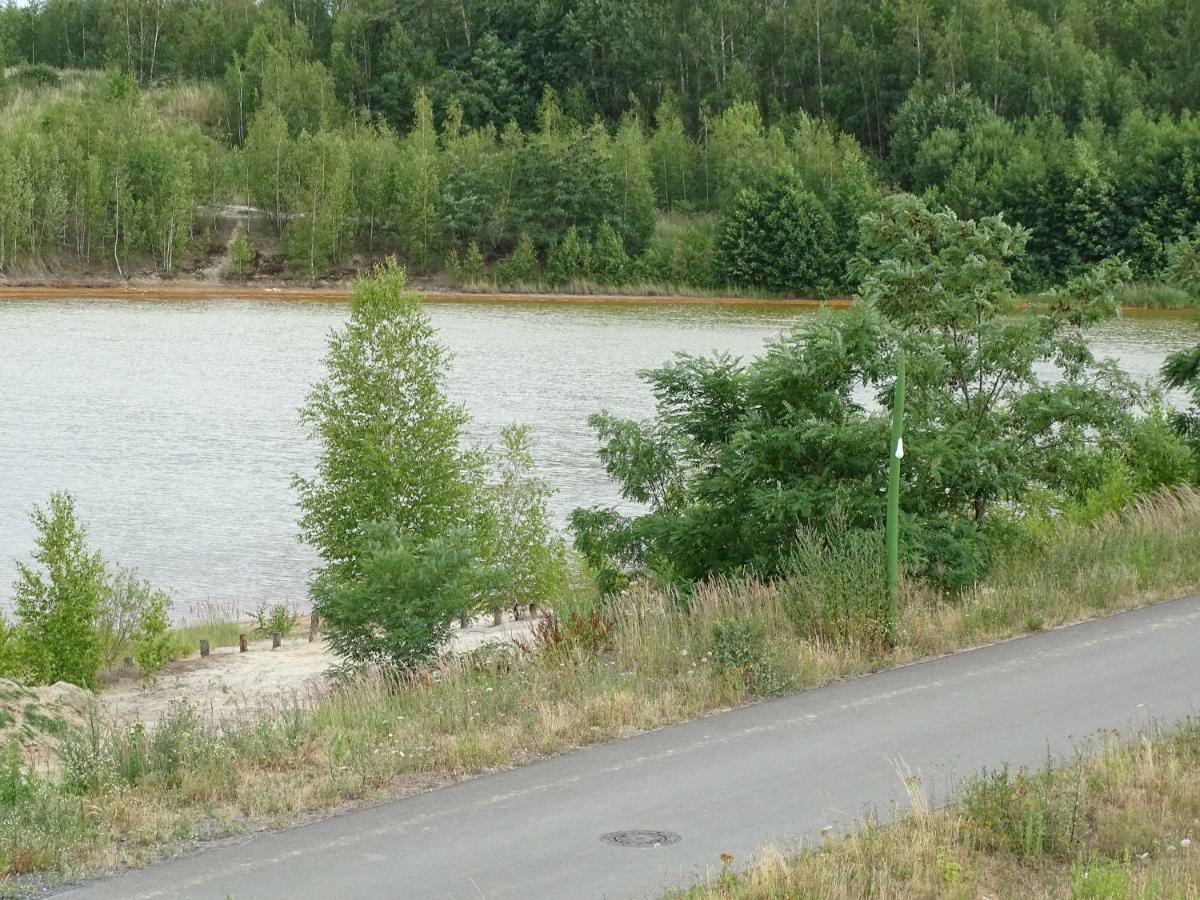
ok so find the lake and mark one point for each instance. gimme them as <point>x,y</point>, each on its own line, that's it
<point>174,423</point>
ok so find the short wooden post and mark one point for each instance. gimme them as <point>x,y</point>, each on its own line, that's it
<point>314,623</point>
<point>129,662</point>
<point>533,611</point>
<point>276,640</point>
<point>204,648</point>
<point>497,616</point>
<point>243,644</point>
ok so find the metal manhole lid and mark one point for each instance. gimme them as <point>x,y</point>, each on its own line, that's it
<point>636,838</point>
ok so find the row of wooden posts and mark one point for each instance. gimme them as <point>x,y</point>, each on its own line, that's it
<point>244,641</point>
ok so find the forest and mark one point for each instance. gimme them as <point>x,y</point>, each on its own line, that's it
<point>710,144</point>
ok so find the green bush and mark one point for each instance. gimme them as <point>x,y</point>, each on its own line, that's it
<point>523,561</point>
<point>780,237</point>
<point>1028,815</point>
<point>153,646</point>
<point>739,652</point>
<point>569,259</point>
<point>833,586</point>
<point>397,610</point>
<point>278,618</point>
<point>241,254</point>
<point>521,266</point>
<point>1183,264</point>
<point>609,261</point>
<point>59,598</point>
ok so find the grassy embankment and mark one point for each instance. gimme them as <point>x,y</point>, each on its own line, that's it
<point>604,673</point>
<point>1121,821</point>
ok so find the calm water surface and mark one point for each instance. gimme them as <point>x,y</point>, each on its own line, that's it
<point>174,424</point>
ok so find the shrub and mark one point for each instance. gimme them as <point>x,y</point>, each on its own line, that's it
<point>609,262</point>
<point>777,236</point>
<point>739,649</point>
<point>569,259</point>
<point>397,608</point>
<point>521,266</point>
<point>472,264</point>
<point>833,587</point>
<point>127,603</point>
<point>279,619</point>
<point>1183,265</point>
<point>241,254</point>
<point>524,558</point>
<point>58,599</point>
<point>153,646</point>
<point>1039,815</point>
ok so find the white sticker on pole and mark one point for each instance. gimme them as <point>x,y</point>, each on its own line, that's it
<point>900,448</point>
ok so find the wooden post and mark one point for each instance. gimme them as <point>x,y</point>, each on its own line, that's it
<point>533,611</point>
<point>243,644</point>
<point>276,640</point>
<point>129,662</point>
<point>497,616</point>
<point>314,623</point>
<point>204,648</point>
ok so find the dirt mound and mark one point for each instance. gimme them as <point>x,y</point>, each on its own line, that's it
<point>37,719</point>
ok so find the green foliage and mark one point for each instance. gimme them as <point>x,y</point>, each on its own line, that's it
<point>398,607</point>
<point>389,452</point>
<point>569,259</point>
<point>523,558</point>
<point>521,266</point>
<point>778,236</point>
<point>739,652</point>
<point>1183,264</point>
<point>1029,815</point>
<point>58,599</point>
<point>153,646</point>
<point>130,610</point>
<point>833,585</point>
<point>609,263</point>
<point>739,458</point>
<point>278,618</point>
<point>241,254</point>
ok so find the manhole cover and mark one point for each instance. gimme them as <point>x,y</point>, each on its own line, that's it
<point>640,838</point>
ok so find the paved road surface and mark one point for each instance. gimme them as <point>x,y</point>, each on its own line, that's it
<point>775,771</point>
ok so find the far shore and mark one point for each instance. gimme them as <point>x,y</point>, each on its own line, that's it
<point>183,290</point>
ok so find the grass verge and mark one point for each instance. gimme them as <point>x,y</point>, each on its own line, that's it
<point>1121,821</point>
<point>596,673</point>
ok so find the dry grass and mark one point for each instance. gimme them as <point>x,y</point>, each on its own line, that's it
<point>1123,821</point>
<point>605,672</point>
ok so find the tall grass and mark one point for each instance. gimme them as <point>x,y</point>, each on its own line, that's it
<point>1121,822</point>
<point>600,671</point>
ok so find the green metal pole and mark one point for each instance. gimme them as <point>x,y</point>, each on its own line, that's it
<point>893,508</point>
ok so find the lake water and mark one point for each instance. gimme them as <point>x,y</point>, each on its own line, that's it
<point>174,424</point>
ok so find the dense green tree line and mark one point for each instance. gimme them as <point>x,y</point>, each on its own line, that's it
<point>447,131</point>
<point>852,62</point>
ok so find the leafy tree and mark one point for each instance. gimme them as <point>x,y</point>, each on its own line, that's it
<point>569,259</point>
<point>526,559</point>
<point>389,440</point>
<point>1181,371</point>
<point>521,266</point>
<point>778,236</point>
<point>241,254</point>
<point>396,609</point>
<point>741,456</point>
<point>58,599</point>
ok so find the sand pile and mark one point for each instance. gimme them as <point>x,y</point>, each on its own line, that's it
<point>37,719</point>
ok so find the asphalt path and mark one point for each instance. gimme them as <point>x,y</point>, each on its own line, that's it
<point>778,772</point>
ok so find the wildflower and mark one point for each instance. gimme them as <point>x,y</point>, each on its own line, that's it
<point>1185,843</point>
